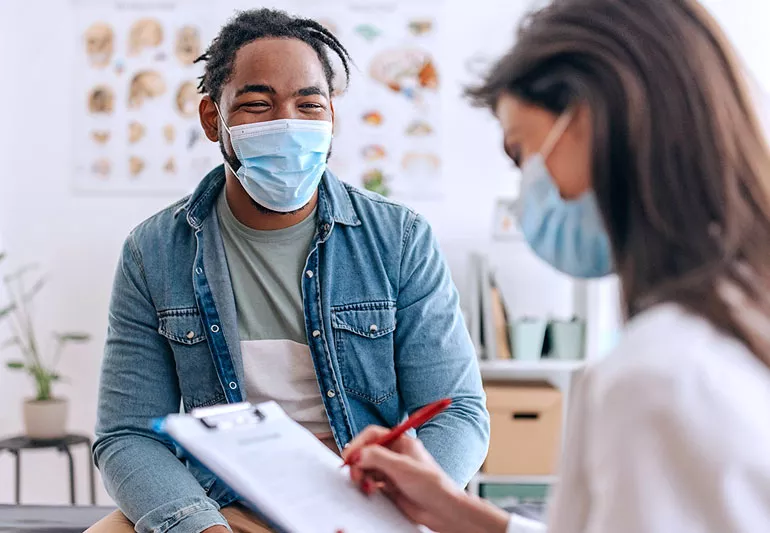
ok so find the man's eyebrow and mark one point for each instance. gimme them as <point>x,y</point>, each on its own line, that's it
<point>313,90</point>
<point>264,89</point>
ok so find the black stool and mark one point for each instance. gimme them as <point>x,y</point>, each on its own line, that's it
<point>16,444</point>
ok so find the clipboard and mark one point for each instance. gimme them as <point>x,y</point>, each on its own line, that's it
<point>281,470</point>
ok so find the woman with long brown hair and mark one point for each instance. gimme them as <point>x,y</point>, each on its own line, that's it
<point>641,154</point>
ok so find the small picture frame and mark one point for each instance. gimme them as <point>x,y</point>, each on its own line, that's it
<point>505,225</point>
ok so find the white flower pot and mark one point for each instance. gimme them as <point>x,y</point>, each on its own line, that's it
<point>45,420</point>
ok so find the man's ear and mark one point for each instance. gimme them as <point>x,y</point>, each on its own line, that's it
<point>331,108</point>
<point>209,118</point>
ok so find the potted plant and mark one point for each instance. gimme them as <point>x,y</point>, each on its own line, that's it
<point>45,415</point>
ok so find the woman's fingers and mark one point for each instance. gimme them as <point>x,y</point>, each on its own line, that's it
<point>366,437</point>
<point>360,477</point>
<point>391,465</point>
<point>371,465</point>
<point>408,475</point>
<point>411,447</point>
<point>356,474</point>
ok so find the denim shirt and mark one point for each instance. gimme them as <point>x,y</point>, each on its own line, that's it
<point>383,324</point>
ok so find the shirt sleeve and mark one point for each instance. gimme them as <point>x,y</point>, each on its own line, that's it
<point>519,524</point>
<point>669,448</point>
<point>569,504</point>
<point>140,470</point>
<point>435,358</point>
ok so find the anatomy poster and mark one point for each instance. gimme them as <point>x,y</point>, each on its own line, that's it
<point>137,127</point>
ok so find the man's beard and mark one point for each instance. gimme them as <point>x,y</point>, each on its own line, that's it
<point>232,160</point>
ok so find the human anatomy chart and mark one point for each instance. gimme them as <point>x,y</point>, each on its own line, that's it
<point>137,127</point>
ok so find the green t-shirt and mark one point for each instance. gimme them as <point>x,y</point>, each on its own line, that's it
<point>266,273</point>
<point>266,269</point>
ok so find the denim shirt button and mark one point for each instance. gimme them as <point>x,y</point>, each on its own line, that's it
<point>215,329</point>
<point>199,271</point>
<point>316,333</point>
<point>373,328</point>
<point>190,335</point>
<point>331,394</point>
<point>309,273</point>
<point>233,385</point>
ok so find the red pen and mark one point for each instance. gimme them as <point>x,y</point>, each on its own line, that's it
<point>418,418</point>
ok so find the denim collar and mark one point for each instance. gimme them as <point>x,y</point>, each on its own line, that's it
<point>334,203</point>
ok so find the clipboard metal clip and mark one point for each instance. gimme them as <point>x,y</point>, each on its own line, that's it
<point>229,416</point>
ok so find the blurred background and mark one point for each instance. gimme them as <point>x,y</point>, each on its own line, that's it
<point>99,132</point>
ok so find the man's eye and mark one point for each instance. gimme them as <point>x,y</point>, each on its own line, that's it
<point>312,106</point>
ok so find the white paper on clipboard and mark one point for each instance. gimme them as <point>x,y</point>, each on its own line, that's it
<point>281,469</point>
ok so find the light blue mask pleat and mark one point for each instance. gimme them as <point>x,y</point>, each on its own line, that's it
<point>282,161</point>
<point>567,234</point>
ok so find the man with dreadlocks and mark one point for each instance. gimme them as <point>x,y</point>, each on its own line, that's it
<point>276,281</point>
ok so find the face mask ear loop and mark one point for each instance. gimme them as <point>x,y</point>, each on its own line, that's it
<point>555,134</point>
<point>229,133</point>
<point>231,169</point>
<point>224,123</point>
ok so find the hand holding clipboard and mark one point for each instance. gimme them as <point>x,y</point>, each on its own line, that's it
<point>282,471</point>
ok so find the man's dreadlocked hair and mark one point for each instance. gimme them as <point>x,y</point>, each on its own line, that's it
<point>255,24</point>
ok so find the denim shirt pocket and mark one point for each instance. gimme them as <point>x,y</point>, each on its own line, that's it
<point>198,380</point>
<point>363,339</point>
<point>181,325</point>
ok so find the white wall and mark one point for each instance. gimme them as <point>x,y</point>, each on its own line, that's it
<point>77,239</point>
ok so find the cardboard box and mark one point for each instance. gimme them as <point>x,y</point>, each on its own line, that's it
<point>526,429</point>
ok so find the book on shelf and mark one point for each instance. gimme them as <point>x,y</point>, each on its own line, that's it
<point>488,321</point>
<point>488,333</point>
<point>474,310</point>
<point>500,323</point>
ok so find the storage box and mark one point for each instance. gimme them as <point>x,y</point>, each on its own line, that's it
<point>526,428</point>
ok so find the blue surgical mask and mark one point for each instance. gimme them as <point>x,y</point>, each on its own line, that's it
<point>282,161</point>
<point>567,234</point>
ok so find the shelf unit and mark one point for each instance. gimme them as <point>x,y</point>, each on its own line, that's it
<point>560,373</point>
<point>591,302</point>
<point>515,370</point>
<point>480,479</point>
<point>516,480</point>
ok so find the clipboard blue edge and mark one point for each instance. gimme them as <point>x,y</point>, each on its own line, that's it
<point>157,425</point>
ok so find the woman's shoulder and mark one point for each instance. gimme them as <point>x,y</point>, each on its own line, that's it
<point>670,328</point>
<point>677,404</point>
<point>668,354</point>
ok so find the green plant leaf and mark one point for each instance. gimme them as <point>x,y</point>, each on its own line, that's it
<point>43,395</point>
<point>16,365</point>
<point>34,290</point>
<point>21,272</point>
<point>43,380</point>
<point>13,341</point>
<point>7,310</point>
<point>72,337</point>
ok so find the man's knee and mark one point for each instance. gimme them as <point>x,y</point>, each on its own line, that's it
<point>115,522</point>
